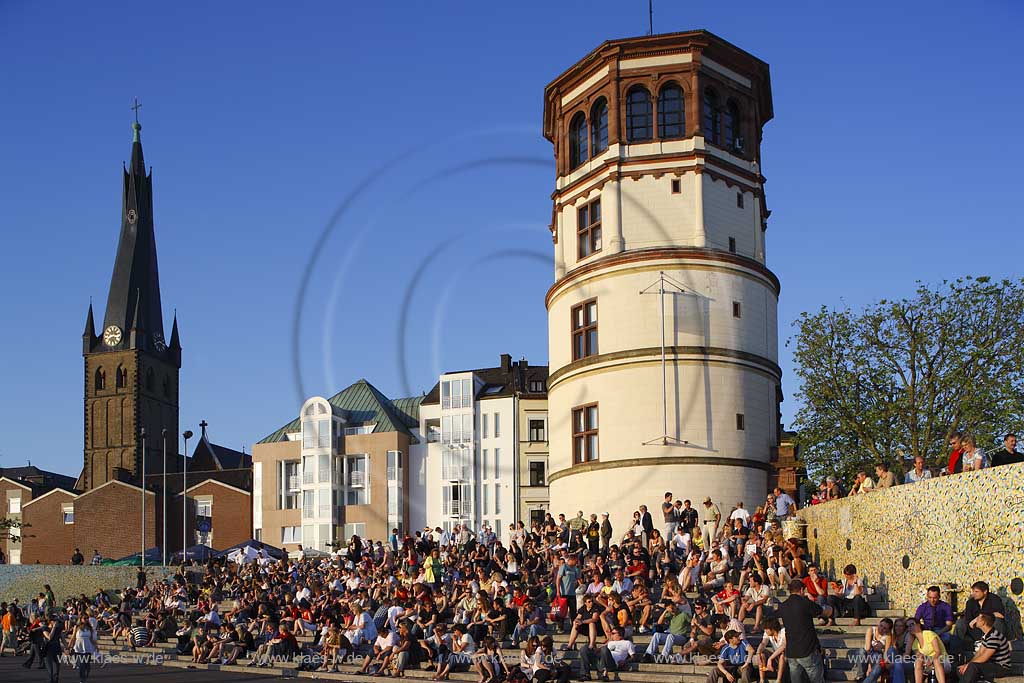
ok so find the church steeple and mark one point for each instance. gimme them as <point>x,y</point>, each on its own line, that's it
<point>134,299</point>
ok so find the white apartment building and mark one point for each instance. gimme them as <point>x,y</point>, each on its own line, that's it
<point>473,463</point>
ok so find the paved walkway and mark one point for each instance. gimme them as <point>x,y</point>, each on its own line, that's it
<point>11,671</point>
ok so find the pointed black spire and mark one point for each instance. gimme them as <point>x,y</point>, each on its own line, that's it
<point>89,335</point>
<point>134,299</point>
<point>175,342</point>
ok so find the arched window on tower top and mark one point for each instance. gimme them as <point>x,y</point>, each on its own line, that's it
<point>639,118</point>
<point>731,126</point>
<point>577,140</point>
<point>712,117</point>
<point>100,380</point>
<point>671,112</point>
<point>599,127</point>
<point>121,378</point>
<point>150,380</point>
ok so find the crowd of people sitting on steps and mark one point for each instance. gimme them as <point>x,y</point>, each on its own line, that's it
<point>457,600</point>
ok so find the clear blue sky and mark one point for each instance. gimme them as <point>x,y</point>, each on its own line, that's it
<point>893,156</point>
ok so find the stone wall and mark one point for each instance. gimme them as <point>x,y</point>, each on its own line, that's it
<point>26,581</point>
<point>957,529</point>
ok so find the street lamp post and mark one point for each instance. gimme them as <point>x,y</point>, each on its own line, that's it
<point>184,487</point>
<point>163,538</point>
<point>142,558</point>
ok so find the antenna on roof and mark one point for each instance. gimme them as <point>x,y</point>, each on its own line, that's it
<point>650,17</point>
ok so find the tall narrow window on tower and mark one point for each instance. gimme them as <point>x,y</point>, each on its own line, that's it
<point>578,140</point>
<point>599,127</point>
<point>588,229</point>
<point>100,380</point>
<point>671,116</point>
<point>584,329</point>
<point>732,126</point>
<point>639,119</point>
<point>584,433</point>
<point>712,117</point>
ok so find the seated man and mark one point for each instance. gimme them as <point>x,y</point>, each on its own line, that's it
<point>726,600</point>
<point>704,632</point>
<point>992,660</point>
<point>530,624</point>
<point>754,600</point>
<point>815,585</point>
<point>639,604</point>
<point>609,658</point>
<point>717,568</point>
<point>586,622</point>
<point>771,652</point>
<point>673,627</point>
<point>383,647</point>
<point>734,661</point>
<point>936,615</point>
<point>981,602</point>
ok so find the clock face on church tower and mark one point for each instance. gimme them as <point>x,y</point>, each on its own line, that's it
<point>112,335</point>
<point>132,216</point>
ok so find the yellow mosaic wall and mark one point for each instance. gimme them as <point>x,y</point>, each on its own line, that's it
<point>956,529</point>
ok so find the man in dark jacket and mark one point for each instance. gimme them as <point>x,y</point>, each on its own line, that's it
<point>52,646</point>
<point>36,640</point>
<point>606,533</point>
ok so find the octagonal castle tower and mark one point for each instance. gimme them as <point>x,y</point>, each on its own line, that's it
<point>659,187</point>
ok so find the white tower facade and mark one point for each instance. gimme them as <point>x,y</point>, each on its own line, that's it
<point>659,189</point>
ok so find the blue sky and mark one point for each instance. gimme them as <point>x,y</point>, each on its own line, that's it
<point>892,157</point>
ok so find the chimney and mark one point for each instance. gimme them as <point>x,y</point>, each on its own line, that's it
<point>506,362</point>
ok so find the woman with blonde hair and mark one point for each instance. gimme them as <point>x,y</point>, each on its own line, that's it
<point>973,458</point>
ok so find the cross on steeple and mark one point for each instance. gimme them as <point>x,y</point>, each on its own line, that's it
<point>135,107</point>
<point>203,425</point>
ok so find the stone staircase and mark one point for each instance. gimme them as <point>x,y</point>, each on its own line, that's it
<point>837,647</point>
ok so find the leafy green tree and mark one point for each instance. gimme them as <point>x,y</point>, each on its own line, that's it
<point>896,379</point>
<point>11,528</point>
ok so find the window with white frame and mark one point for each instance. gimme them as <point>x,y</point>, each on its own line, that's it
<point>484,468</point>
<point>357,480</point>
<point>14,505</point>
<point>456,464</point>
<point>483,426</point>
<point>485,501</point>
<point>497,461</point>
<point>497,425</point>
<point>290,485</point>
<point>308,466</point>
<point>355,529</point>
<point>308,434</point>
<point>323,468</point>
<point>291,534</point>
<point>497,499</point>
<point>308,503</point>
<point>360,429</point>
<point>538,430</point>
<point>323,434</point>
<point>67,511</point>
<point>395,466</point>
<point>457,500</point>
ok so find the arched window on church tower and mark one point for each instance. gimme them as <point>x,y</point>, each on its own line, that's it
<point>100,379</point>
<point>577,140</point>
<point>167,387</point>
<point>121,378</point>
<point>150,380</point>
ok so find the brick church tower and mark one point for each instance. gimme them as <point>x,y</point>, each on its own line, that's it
<point>131,371</point>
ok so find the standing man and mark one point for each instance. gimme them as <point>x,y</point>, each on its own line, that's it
<point>785,506</point>
<point>606,533</point>
<point>1009,454</point>
<point>77,558</point>
<point>803,650</point>
<point>647,522</point>
<point>687,516</point>
<point>53,646</point>
<point>671,517</point>
<point>568,579</point>
<point>710,515</point>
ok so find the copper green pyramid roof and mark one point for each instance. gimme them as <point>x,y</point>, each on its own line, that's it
<point>365,403</point>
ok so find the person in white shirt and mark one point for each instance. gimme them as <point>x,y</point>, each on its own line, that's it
<point>740,513</point>
<point>771,653</point>
<point>383,647</point>
<point>754,600</point>
<point>919,473</point>
<point>363,629</point>
<point>463,649</point>
<point>302,594</point>
<point>681,543</point>
<point>608,659</point>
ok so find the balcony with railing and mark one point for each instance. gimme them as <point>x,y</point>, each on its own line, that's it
<point>294,483</point>
<point>357,479</point>
<point>457,508</point>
